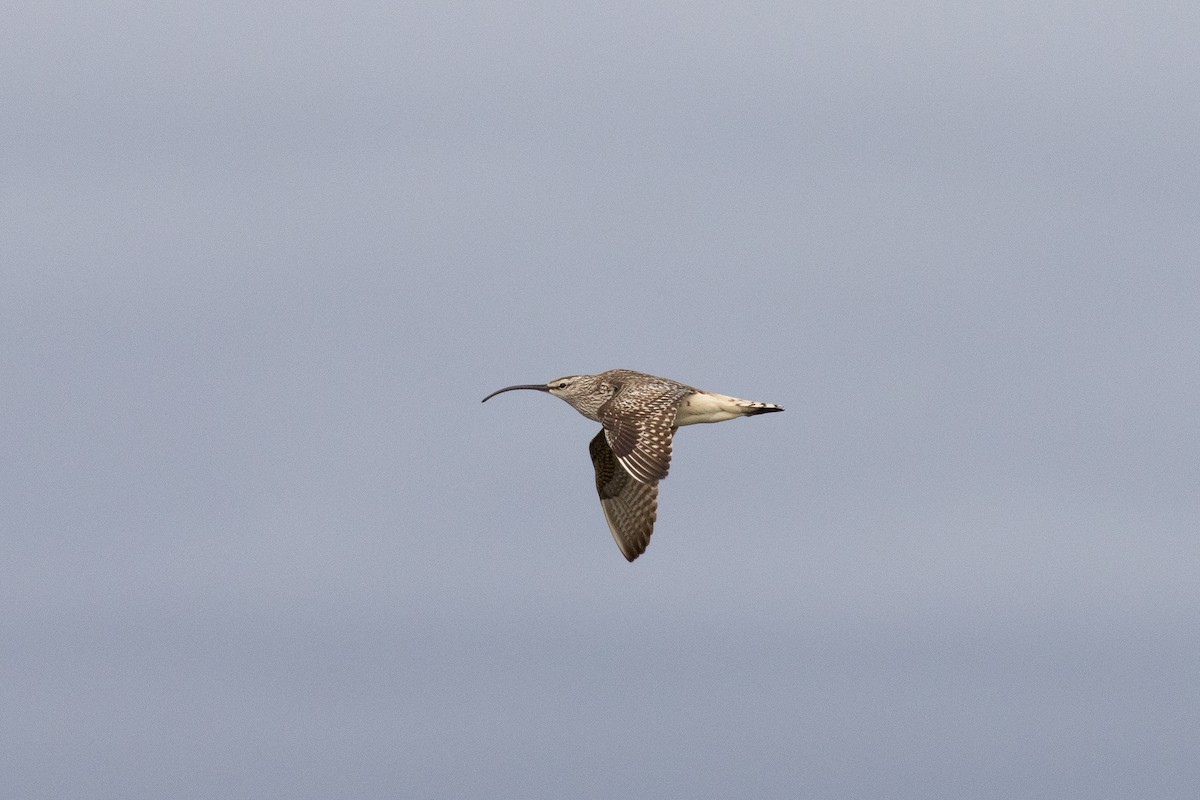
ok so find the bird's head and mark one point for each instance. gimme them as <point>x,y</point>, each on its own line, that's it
<point>586,393</point>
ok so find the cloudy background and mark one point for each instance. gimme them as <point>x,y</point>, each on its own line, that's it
<point>259,263</point>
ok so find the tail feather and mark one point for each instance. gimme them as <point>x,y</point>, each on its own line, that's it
<point>712,407</point>
<point>761,408</point>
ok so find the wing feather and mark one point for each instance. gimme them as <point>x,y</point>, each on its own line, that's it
<point>639,422</point>
<point>630,506</point>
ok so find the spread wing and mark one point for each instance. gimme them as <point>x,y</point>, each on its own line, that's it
<point>638,424</point>
<point>630,506</point>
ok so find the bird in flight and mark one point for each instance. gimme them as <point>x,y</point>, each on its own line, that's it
<point>632,452</point>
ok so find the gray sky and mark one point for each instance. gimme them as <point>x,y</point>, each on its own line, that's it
<point>258,265</point>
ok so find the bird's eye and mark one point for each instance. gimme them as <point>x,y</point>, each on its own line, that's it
<point>562,384</point>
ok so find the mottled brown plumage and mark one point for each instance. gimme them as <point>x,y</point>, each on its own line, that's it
<point>630,506</point>
<point>632,452</point>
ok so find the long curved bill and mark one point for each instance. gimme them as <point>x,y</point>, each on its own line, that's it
<point>541,387</point>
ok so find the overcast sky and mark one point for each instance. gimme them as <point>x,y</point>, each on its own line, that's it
<point>260,262</point>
